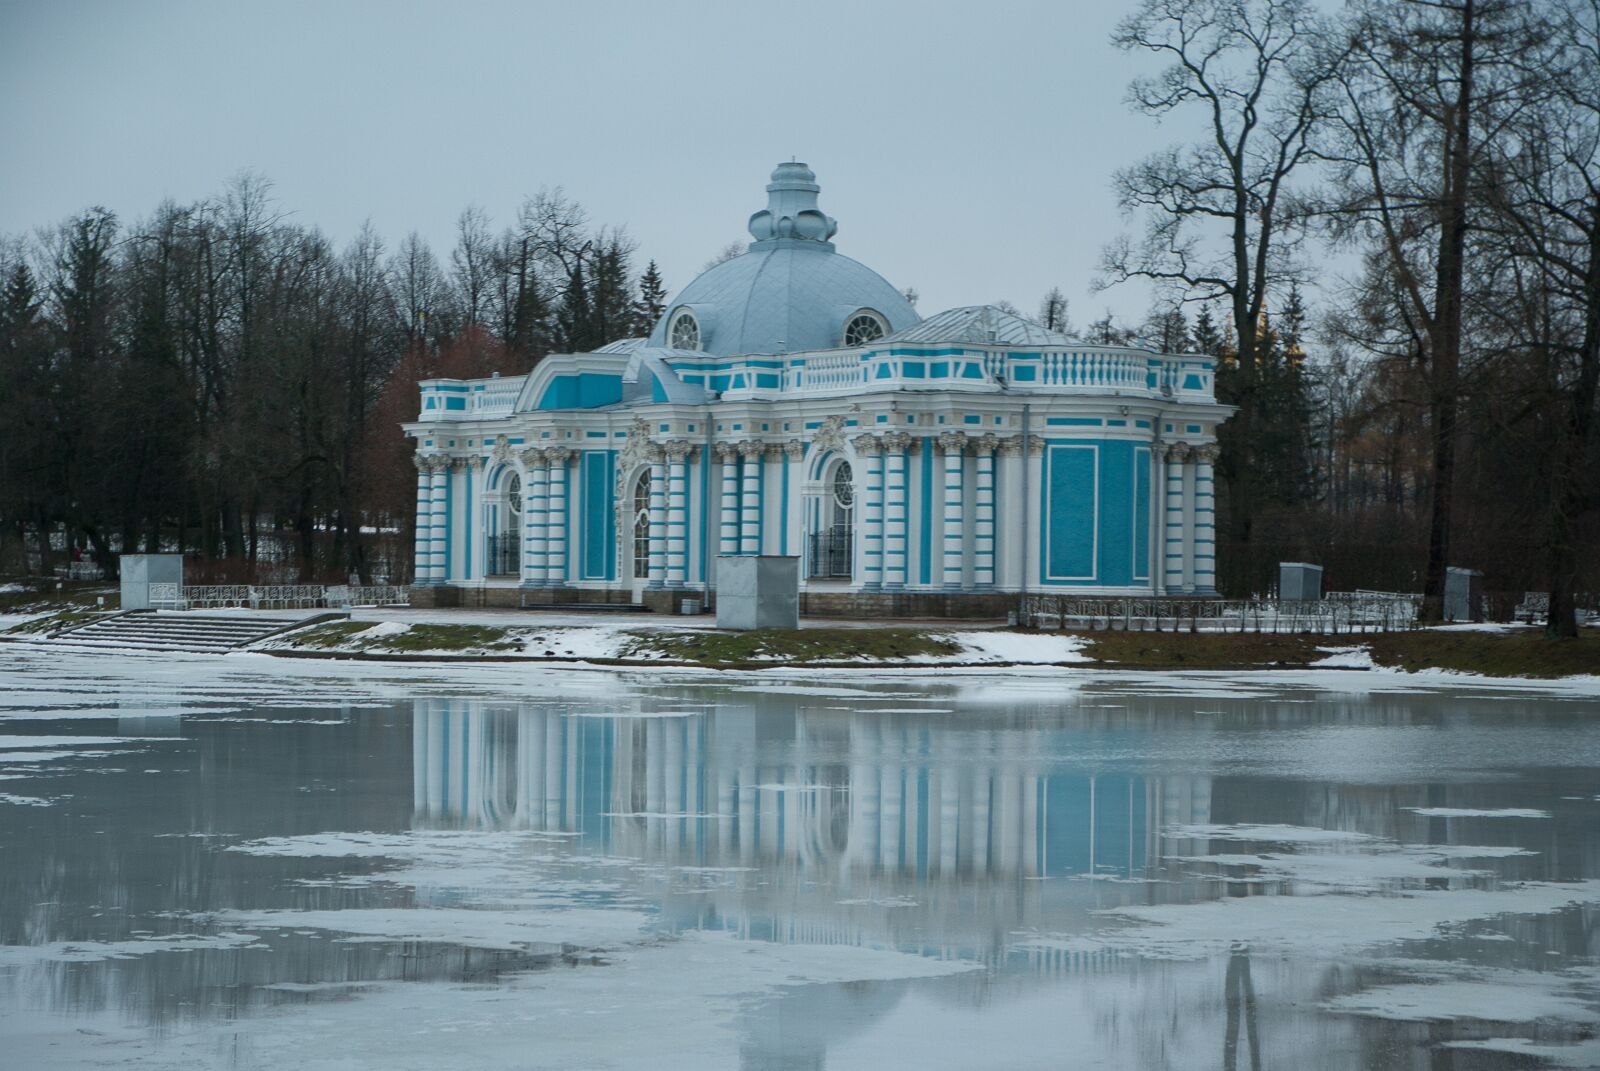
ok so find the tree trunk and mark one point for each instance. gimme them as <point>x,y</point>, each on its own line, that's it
<point>1445,341</point>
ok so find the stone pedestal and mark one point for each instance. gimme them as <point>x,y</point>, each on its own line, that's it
<point>143,572</point>
<point>1463,595</point>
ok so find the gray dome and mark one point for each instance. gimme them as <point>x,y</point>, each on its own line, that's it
<point>791,292</point>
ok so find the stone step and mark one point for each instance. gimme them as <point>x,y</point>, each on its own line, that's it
<point>203,634</point>
<point>591,607</point>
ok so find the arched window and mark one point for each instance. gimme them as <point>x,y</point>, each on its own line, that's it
<point>832,546</point>
<point>684,331</point>
<point>864,327</point>
<point>641,527</point>
<point>514,494</point>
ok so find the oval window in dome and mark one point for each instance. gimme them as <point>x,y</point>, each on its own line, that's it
<point>864,327</point>
<point>684,332</point>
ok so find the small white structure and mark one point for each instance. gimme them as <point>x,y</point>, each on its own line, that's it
<point>151,581</point>
<point>758,591</point>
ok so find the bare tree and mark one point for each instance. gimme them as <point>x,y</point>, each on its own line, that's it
<point>1218,217</point>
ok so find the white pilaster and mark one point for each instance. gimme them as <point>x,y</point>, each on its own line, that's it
<point>424,518</point>
<point>1205,520</point>
<point>983,550</point>
<point>728,503</point>
<point>1158,514</point>
<point>953,445</point>
<point>869,452</point>
<point>1173,544</point>
<point>1033,561</point>
<point>556,459</point>
<point>896,565</point>
<point>678,454</point>
<point>658,517</point>
<point>1010,539</point>
<point>750,454</point>
<point>535,510</point>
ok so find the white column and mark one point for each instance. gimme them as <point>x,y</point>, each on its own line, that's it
<point>678,513</point>
<point>1039,500</point>
<point>556,458</point>
<point>424,522</point>
<point>1010,541</point>
<point>478,567</point>
<point>1160,454</point>
<point>535,506</point>
<point>1205,520</point>
<point>953,445</point>
<point>658,517</point>
<point>869,485</point>
<point>750,453</point>
<point>438,478</point>
<point>1172,549</point>
<point>983,528</point>
<point>896,494</point>
<point>728,511</point>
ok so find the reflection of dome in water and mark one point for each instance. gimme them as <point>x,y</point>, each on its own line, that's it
<point>790,292</point>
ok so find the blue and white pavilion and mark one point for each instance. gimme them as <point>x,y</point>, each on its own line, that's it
<point>791,402</point>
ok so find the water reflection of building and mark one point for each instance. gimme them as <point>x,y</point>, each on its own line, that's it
<point>833,816</point>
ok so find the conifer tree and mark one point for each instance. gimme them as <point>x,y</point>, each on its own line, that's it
<point>652,302</point>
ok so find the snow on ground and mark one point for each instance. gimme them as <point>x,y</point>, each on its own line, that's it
<point>1345,658</point>
<point>1000,646</point>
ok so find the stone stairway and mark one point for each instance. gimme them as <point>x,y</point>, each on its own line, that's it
<point>203,633</point>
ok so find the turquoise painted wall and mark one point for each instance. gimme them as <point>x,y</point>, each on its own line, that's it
<point>1095,517</point>
<point>599,555</point>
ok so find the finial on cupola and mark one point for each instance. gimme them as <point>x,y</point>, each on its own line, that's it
<point>791,210</point>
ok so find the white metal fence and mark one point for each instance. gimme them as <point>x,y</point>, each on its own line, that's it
<point>275,596</point>
<point>1340,612</point>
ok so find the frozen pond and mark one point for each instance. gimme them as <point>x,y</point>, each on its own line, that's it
<point>243,862</point>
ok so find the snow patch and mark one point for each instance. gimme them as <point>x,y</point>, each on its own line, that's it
<point>1469,812</point>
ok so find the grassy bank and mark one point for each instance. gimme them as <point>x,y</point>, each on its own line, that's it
<point>1518,653</point>
<point>802,647</point>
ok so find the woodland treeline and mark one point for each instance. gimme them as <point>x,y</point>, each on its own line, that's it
<point>217,378</point>
<point>1384,220</point>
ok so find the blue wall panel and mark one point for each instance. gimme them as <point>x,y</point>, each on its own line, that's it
<point>599,520</point>
<point>1070,490</point>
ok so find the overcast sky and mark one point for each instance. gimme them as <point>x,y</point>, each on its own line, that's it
<point>966,149</point>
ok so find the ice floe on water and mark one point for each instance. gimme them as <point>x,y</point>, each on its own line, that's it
<point>1471,812</point>
<point>510,930</point>
<point>1501,997</point>
<point>12,956</point>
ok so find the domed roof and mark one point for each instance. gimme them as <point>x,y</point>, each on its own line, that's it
<point>790,292</point>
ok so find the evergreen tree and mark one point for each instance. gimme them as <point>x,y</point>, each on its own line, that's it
<point>575,318</point>
<point>1206,336</point>
<point>652,302</point>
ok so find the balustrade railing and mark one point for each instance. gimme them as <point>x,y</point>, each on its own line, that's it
<point>274,596</point>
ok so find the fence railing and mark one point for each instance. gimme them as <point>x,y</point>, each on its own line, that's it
<point>503,554</point>
<point>1338,613</point>
<point>275,596</point>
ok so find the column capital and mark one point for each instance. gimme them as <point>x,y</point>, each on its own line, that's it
<point>1179,452</point>
<point>532,457</point>
<point>678,450</point>
<point>953,442</point>
<point>867,444</point>
<point>559,455</point>
<point>987,443</point>
<point>897,441</point>
<point>775,451</point>
<point>794,448</point>
<point>725,451</point>
<point>458,464</point>
<point>751,448</point>
<point>1207,453</point>
<point>475,462</point>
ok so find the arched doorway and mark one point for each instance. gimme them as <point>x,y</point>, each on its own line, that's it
<point>640,573</point>
<point>833,543</point>
<point>504,556</point>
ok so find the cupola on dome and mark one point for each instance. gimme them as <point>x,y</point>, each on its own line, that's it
<point>790,291</point>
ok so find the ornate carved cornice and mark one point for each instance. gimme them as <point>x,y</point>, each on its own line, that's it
<point>502,450</point>
<point>830,435</point>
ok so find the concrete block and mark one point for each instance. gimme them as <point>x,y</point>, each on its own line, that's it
<point>139,571</point>
<point>1299,582</point>
<point>758,592</point>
